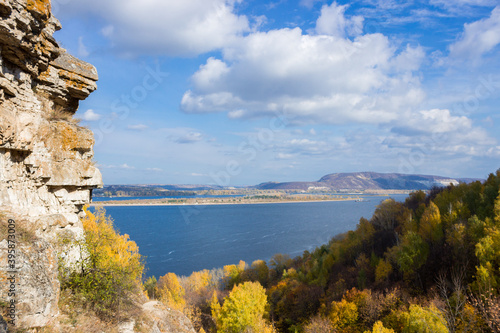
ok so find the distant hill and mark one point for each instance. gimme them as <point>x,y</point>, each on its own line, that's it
<point>367,181</point>
<point>352,181</point>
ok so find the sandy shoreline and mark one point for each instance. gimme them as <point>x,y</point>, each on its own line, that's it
<point>103,203</point>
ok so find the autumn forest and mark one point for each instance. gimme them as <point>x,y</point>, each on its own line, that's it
<point>428,264</point>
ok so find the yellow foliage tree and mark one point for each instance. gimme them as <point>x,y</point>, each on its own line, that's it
<point>378,327</point>
<point>469,320</point>
<point>430,224</point>
<point>232,273</point>
<point>424,320</point>
<point>242,311</point>
<point>171,292</point>
<point>488,253</point>
<point>343,314</point>
<point>383,270</point>
<point>110,266</point>
<point>107,249</point>
<point>199,282</point>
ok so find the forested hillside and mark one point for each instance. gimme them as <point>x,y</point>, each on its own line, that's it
<point>430,264</point>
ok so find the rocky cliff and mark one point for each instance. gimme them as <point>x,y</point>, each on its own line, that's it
<point>45,157</point>
<point>46,168</point>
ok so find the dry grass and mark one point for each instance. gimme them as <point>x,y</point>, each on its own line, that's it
<point>60,114</point>
<point>76,317</point>
<point>56,112</point>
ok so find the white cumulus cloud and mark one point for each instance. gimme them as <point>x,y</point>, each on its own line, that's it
<point>90,115</point>
<point>170,27</point>
<point>478,37</point>
<point>310,78</point>
<point>438,131</point>
<point>333,21</point>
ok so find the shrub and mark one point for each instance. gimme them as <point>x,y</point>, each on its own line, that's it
<point>110,265</point>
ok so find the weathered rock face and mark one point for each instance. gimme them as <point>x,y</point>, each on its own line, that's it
<point>37,285</point>
<point>46,168</point>
<point>45,157</point>
<point>166,320</point>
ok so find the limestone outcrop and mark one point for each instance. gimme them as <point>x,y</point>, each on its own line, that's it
<point>45,157</point>
<point>46,168</point>
<point>47,174</point>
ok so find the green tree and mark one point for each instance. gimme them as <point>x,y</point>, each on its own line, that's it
<point>412,253</point>
<point>388,214</point>
<point>262,271</point>
<point>151,288</point>
<point>280,261</point>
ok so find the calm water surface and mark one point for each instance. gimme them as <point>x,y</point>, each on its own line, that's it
<point>183,239</point>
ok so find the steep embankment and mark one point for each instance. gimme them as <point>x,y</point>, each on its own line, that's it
<point>46,168</point>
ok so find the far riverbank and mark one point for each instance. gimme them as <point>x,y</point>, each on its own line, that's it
<point>226,200</point>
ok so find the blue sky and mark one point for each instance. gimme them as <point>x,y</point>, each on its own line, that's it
<point>239,92</point>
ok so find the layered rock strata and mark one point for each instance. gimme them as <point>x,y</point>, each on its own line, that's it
<point>46,168</point>
<point>46,173</point>
<point>45,157</point>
